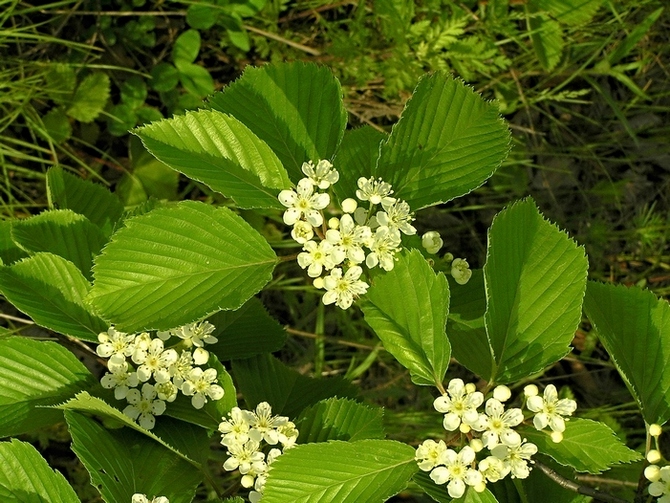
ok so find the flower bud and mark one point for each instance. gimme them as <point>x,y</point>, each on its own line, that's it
<point>652,473</point>
<point>460,270</point>
<point>476,444</point>
<point>349,205</point>
<point>530,390</point>
<point>502,393</point>
<point>655,430</point>
<point>465,428</point>
<point>318,283</point>
<point>556,436</point>
<point>334,223</point>
<point>654,456</point>
<point>432,242</point>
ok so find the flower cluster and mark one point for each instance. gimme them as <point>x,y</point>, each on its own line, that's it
<point>142,498</point>
<point>492,429</point>
<point>247,435</point>
<point>658,476</point>
<point>140,359</point>
<point>339,247</point>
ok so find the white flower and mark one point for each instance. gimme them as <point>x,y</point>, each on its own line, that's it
<point>142,498</point>
<point>115,343</point>
<point>288,435</point>
<point>180,369</point>
<point>235,430</point>
<point>350,238</point>
<point>430,454</point>
<point>243,456</point>
<point>493,469</point>
<point>302,232</point>
<point>499,424</point>
<point>196,334</point>
<point>661,486</point>
<point>167,391</point>
<point>264,425</point>
<point>457,471</point>
<point>459,404</point>
<point>432,242</point>
<point>516,457</point>
<point>460,270</point>
<point>144,406</point>
<point>397,215</point>
<point>155,361</point>
<point>342,290</point>
<point>549,410</point>
<point>121,380</point>
<point>373,190</point>
<point>316,257</point>
<point>200,385</point>
<point>303,201</point>
<point>322,175</point>
<point>385,244</point>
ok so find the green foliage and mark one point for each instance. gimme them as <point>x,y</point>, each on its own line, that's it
<point>535,281</point>
<point>587,446</point>
<point>265,379</point>
<point>182,263</point>
<point>122,462</point>
<point>90,97</point>
<point>25,476</point>
<point>339,419</point>
<point>34,374</point>
<point>51,290</point>
<point>634,327</point>
<point>324,472</point>
<point>407,308</point>
<point>220,151</point>
<point>295,108</point>
<point>447,143</point>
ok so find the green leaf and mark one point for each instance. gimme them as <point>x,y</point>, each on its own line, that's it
<point>36,373</point>
<point>240,39</point>
<point>96,203</point>
<point>186,47</point>
<point>51,291</point>
<point>164,77</point>
<point>201,17</point>
<point>547,37</point>
<point>210,415</point>
<point>57,125</point>
<point>121,119</point>
<point>195,79</point>
<point>134,92</point>
<point>340,419</point>
<point>177,264</point>
<point>123,462</point>
<point>465,325</point>
<point>448,142</point>
<point>63,233</point>
<point>296,108</point>
<point>535,281</point>
<point>84,402</point>
<point>634,327</point>
<point>356,157</point>
<point>220,151</point>
<point>25,476</point>
<point>572,12</point>
<point>314,473</point>
<point>265,379</point>
<point>587,446</point>
<point>9,251</point>
<point>626,45</point>
<point>407,307</point>
<point>61,81</point>
<point>90,97</point>
<point>246,332</point>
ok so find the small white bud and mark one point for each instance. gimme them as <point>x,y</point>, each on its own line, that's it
<point>556,436</point>
<point>470,387</point>
<point>432,242</point>
<point>652,473</point>
<point>464,428</point>
<point>318,283</point>
<point>334,223</point>
<point>654,456</point>
<point>349,205</point>
<point>476,444</point>
<point>460,270</point>
<point>480,487</point>
<point>655,430</point>
<point>502,393</point>
<point>530,390</point>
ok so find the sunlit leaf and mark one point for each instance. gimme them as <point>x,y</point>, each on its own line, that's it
<point>339,419</point>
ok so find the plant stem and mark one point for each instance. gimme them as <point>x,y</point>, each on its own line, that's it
<point>573,486</point>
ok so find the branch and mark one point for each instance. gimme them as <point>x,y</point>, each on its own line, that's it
<point>573,486</point>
